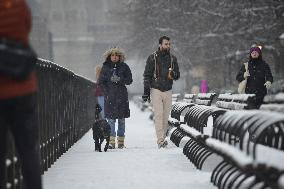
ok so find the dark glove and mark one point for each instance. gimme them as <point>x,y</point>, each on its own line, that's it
<point>173,74</point>
<point>145,98</point>
<point>115,79</point>
<point>146,95</point>
<point>98,108</point>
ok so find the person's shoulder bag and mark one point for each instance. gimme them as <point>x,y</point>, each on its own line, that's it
<point>16,59</point>
<point>156,70</point>
<point>243,83</point>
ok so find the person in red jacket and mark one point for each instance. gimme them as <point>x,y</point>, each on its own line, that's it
<point>99,91</point>
<point>18,99</point>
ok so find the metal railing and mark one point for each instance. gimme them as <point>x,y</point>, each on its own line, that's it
<point>249,142</point>
<point>65,111</point>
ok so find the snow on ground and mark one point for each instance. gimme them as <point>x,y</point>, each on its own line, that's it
<point>140,165</point>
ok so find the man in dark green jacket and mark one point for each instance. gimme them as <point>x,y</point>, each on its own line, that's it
<point>160,71</point>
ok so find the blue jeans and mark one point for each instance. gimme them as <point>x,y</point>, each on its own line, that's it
<point>121,127</point>
<point>101,102</point>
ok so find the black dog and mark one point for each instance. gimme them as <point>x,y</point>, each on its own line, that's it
<point>101,131</point>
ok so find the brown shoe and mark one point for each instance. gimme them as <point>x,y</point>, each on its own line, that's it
<point>163,144</point>
<point>111,142</point>
<point>120,142</point>
<point>111,146</point>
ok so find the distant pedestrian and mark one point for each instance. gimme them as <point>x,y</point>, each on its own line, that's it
<point>160,71</point>
<point>114,77</point>
<point>203,86</point>
<point>259,77</point>
<point>99,91</point>
<point>195,89</point>
<point>18,87</point>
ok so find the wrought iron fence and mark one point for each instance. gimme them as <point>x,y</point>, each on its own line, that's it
<point>65,111</point>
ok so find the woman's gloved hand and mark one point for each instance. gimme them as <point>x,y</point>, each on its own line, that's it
<point>246,75</point>
<point>267,84</point>
<point>115,79</point>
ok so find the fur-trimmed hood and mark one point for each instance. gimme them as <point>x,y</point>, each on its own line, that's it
<point>115,50</point>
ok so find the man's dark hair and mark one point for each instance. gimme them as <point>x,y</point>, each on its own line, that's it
<point>162,38</point>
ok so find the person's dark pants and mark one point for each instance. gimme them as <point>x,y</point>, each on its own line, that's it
<point>18,115</point>
<point>258,101</point>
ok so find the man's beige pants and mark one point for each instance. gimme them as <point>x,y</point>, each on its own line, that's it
<point>162,103</point>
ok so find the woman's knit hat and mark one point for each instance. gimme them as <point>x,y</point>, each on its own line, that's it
<point>257,49</point>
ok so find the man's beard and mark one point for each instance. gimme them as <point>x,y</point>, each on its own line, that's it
<point>165,50</point>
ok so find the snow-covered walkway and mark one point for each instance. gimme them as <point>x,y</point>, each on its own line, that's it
<point>140,165</point>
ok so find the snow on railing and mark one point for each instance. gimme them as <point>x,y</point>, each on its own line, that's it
<point>249,141</point>
<point>235,101</point>
<point>205,95</point>
<point>239,157</point>
<point>273,103</point>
